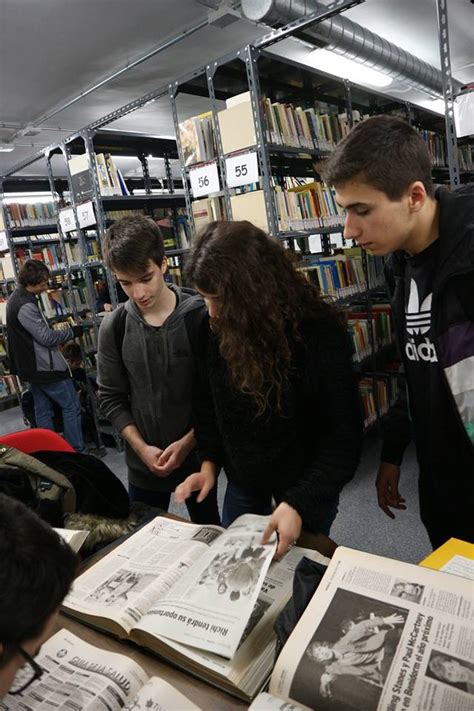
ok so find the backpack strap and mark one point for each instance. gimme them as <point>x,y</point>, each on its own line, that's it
<point>120,320</point>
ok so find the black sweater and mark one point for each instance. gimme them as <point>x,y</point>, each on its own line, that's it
<point>307,454</point>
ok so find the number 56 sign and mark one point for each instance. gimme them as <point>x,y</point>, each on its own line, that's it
<point>205,179</point>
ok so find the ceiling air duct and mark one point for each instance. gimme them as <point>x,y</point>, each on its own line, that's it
<point>350,40</point>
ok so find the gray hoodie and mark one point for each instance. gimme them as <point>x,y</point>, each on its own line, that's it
<point>149,383</point>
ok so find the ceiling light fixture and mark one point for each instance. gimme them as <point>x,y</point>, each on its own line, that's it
<point>345,68</point>
<point>6,147</point>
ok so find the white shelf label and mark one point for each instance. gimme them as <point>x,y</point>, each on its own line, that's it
<point>86,214</point>
<point>3,241</point>
<point>242,169</point>
<point>66,219</point>
<point>205,179</point>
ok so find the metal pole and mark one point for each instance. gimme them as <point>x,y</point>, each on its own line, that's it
<point>210,71</point>
<point>173,90</point>
<point>250,56</point>
<point>448,92</point>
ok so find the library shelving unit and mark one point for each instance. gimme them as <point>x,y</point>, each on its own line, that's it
<point>258,158</point>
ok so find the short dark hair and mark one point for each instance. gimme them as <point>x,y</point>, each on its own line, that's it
<point>131,242</point>
<point>36,571</point>
<point>384,152</point>
<point>33,272</point>
<point>72,351</point>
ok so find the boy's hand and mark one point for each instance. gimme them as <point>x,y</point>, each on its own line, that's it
<point>150,456</point>
<point>287,522</point>
<point>388,495</point>
<point>202,481</point>
<point>175,454</point>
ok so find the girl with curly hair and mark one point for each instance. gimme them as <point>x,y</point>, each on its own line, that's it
<point>277,403</point>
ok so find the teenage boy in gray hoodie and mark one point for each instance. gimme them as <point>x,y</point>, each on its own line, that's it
<point>146,367</point>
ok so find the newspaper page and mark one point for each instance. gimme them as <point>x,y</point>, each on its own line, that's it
<point>381,635</point>
<point>77,675</point>
<point>158,695</point>
<point>129,580</point>
<point>267,702</point>
<point>74,538</point>
<point>210,606</point>
<point>256,649</point>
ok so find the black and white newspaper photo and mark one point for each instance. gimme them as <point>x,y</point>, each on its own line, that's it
<point>210,605</point>
<point>362,645</point>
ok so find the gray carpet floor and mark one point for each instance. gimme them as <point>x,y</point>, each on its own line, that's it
<point>359,524</point>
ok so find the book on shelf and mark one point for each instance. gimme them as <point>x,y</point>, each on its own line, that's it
<point>250,206</point>
<point>455,557</point>
<point>2,220</point>
<point>206,210</point>
<point>236,124</point>
<point>81,179</point>
<point>111,181</point>
<point>310,205</point>
<point>31,214</point>
<point>3,312</point>
<point>78,675</point>
<point>359,327</point>
<point>197,139</point>
<point>381,389</point>
<point>379,635</point>
<point>9,385</point>
<point>202,597</point>
<point>311,128</point>
<point>6,267</point>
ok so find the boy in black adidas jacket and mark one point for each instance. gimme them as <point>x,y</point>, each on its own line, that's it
<point>382,175</point>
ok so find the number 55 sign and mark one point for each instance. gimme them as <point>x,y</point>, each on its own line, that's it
<point>242,169</point>
<point>204,180</point>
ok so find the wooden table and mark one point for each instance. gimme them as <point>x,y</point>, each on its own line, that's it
<point>207,697</point>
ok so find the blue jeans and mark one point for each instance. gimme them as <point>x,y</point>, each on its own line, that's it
<point>238,502</point>
<point>64,394</point>
<point>205,513</point>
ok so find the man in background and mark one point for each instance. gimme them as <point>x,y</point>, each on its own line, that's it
<point>382,175</point>
<point>36,571</point>
<point>36,358</point>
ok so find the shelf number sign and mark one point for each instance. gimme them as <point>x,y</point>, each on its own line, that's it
<point>242,169</point>
<point>3,241</point>
<point>66,218</point>
<point>204,179</point>
<point>86,215</point>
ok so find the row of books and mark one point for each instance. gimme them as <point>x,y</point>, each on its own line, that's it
<point>436,144</point>
<point>382,388</point>
<point>359,329</point>
<point>110,179</point>
<point>342,275</point>
<point>31,214</point>
<point>51,256</point>
<point>73,252</point>
<point>31,239</point>
<point>60,302</point>
<point>295,126</point>
<point>307,206</point>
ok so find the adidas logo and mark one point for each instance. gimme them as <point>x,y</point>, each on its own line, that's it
<point>418,318</point>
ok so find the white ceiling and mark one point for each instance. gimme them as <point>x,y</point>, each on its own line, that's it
<point>52,50</point>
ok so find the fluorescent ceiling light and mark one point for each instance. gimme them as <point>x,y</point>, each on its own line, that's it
<point>436,105</point>
<point>6,147</point>
<point>345,68</point>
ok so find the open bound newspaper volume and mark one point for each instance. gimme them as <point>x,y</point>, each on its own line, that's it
<point>78,675</point>
<point>379,635</point>
<point>202,597</point>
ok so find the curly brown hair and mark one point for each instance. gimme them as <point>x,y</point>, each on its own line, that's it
<point>262,301</point>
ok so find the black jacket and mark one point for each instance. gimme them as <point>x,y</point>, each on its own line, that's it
<point>306,455</point>
<point>452,315</point>
<point>32,345</point>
